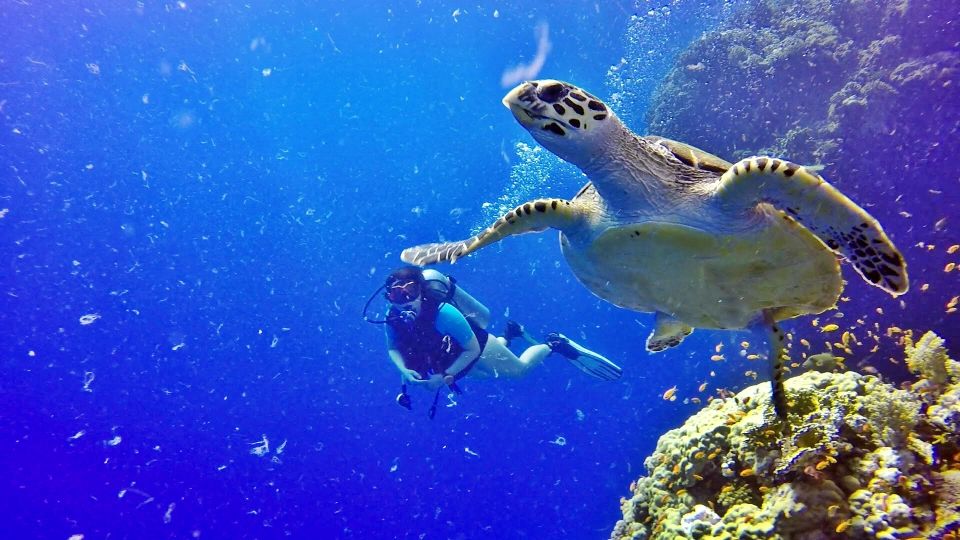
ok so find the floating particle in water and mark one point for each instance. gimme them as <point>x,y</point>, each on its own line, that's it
<point>261,447</point>
<point>393,468</point>
<point>580,415</point>
<point>258,42</point>
<point>75,537</point>
<point>77,435</point>
<point>469,451</point>
<point>114,441</point>
<point>274,341</point>
<point>451,400</point>
<point>281,448</point>
<point>168,515</point>
<point>88,378</point>
<point>560,440</point>
<point>266,72</point>
<point>89,318</point>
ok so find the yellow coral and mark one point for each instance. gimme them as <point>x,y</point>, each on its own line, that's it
<point>928,358</point>
<point>947,485</point>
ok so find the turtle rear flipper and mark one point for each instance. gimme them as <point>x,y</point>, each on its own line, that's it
<point>806,197</point>
<point>778,358</point>
<point>533,216</point>
<point>668,332</point>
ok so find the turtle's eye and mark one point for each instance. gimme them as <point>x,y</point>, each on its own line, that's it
<point>551,93</point>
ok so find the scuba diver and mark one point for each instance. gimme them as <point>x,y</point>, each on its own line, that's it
<point>437,335</point>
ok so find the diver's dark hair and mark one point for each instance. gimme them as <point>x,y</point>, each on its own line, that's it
<point>404,274</point>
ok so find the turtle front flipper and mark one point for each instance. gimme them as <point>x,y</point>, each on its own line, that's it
<point>667,332</point>
<point>533,216</point>
<point>806,197</point>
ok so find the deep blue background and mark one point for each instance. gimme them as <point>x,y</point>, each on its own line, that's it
<point>227,227</point>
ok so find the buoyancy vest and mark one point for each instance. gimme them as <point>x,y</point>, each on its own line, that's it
<point>424,349</point>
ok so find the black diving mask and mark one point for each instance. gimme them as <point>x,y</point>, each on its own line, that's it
<point>402,293</point>
<point>401,311</point>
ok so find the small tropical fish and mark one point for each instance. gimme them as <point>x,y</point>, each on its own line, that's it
<point>670,394</point>
<point>830,328</point>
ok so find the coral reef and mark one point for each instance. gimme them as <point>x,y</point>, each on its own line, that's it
<point>856,458</point>
<point>810,79</point>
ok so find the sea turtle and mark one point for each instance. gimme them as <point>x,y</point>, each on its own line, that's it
<point>667,228</point>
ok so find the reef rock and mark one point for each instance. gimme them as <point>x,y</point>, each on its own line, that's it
<point>856,458</point>
<point>811,80</point>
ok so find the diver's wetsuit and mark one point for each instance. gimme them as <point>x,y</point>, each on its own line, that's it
<point>432,342</point>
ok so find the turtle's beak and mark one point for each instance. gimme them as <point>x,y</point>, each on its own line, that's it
<point>522,102</point>
<point>513,96</point>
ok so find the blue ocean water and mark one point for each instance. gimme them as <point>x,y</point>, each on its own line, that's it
<point>198,198</point>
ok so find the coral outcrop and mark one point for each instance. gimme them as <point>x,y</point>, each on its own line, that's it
<point>856,458</point>
<point>812,79</point>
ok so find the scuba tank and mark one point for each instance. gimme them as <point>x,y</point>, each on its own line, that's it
<point>444,289</point>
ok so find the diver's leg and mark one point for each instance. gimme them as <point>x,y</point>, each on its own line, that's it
<point>516,330</point>
<point>498,361</point>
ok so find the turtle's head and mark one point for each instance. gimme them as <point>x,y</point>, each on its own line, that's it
<point>565,119</point>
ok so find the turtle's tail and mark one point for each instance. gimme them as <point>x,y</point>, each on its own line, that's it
<point>533,216</point>
<point>804,196</point>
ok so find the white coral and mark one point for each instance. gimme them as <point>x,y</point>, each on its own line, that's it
<point>699,519</point>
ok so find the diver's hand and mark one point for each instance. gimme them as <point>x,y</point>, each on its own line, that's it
<point>409,375</point>
<point>435,381</point>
